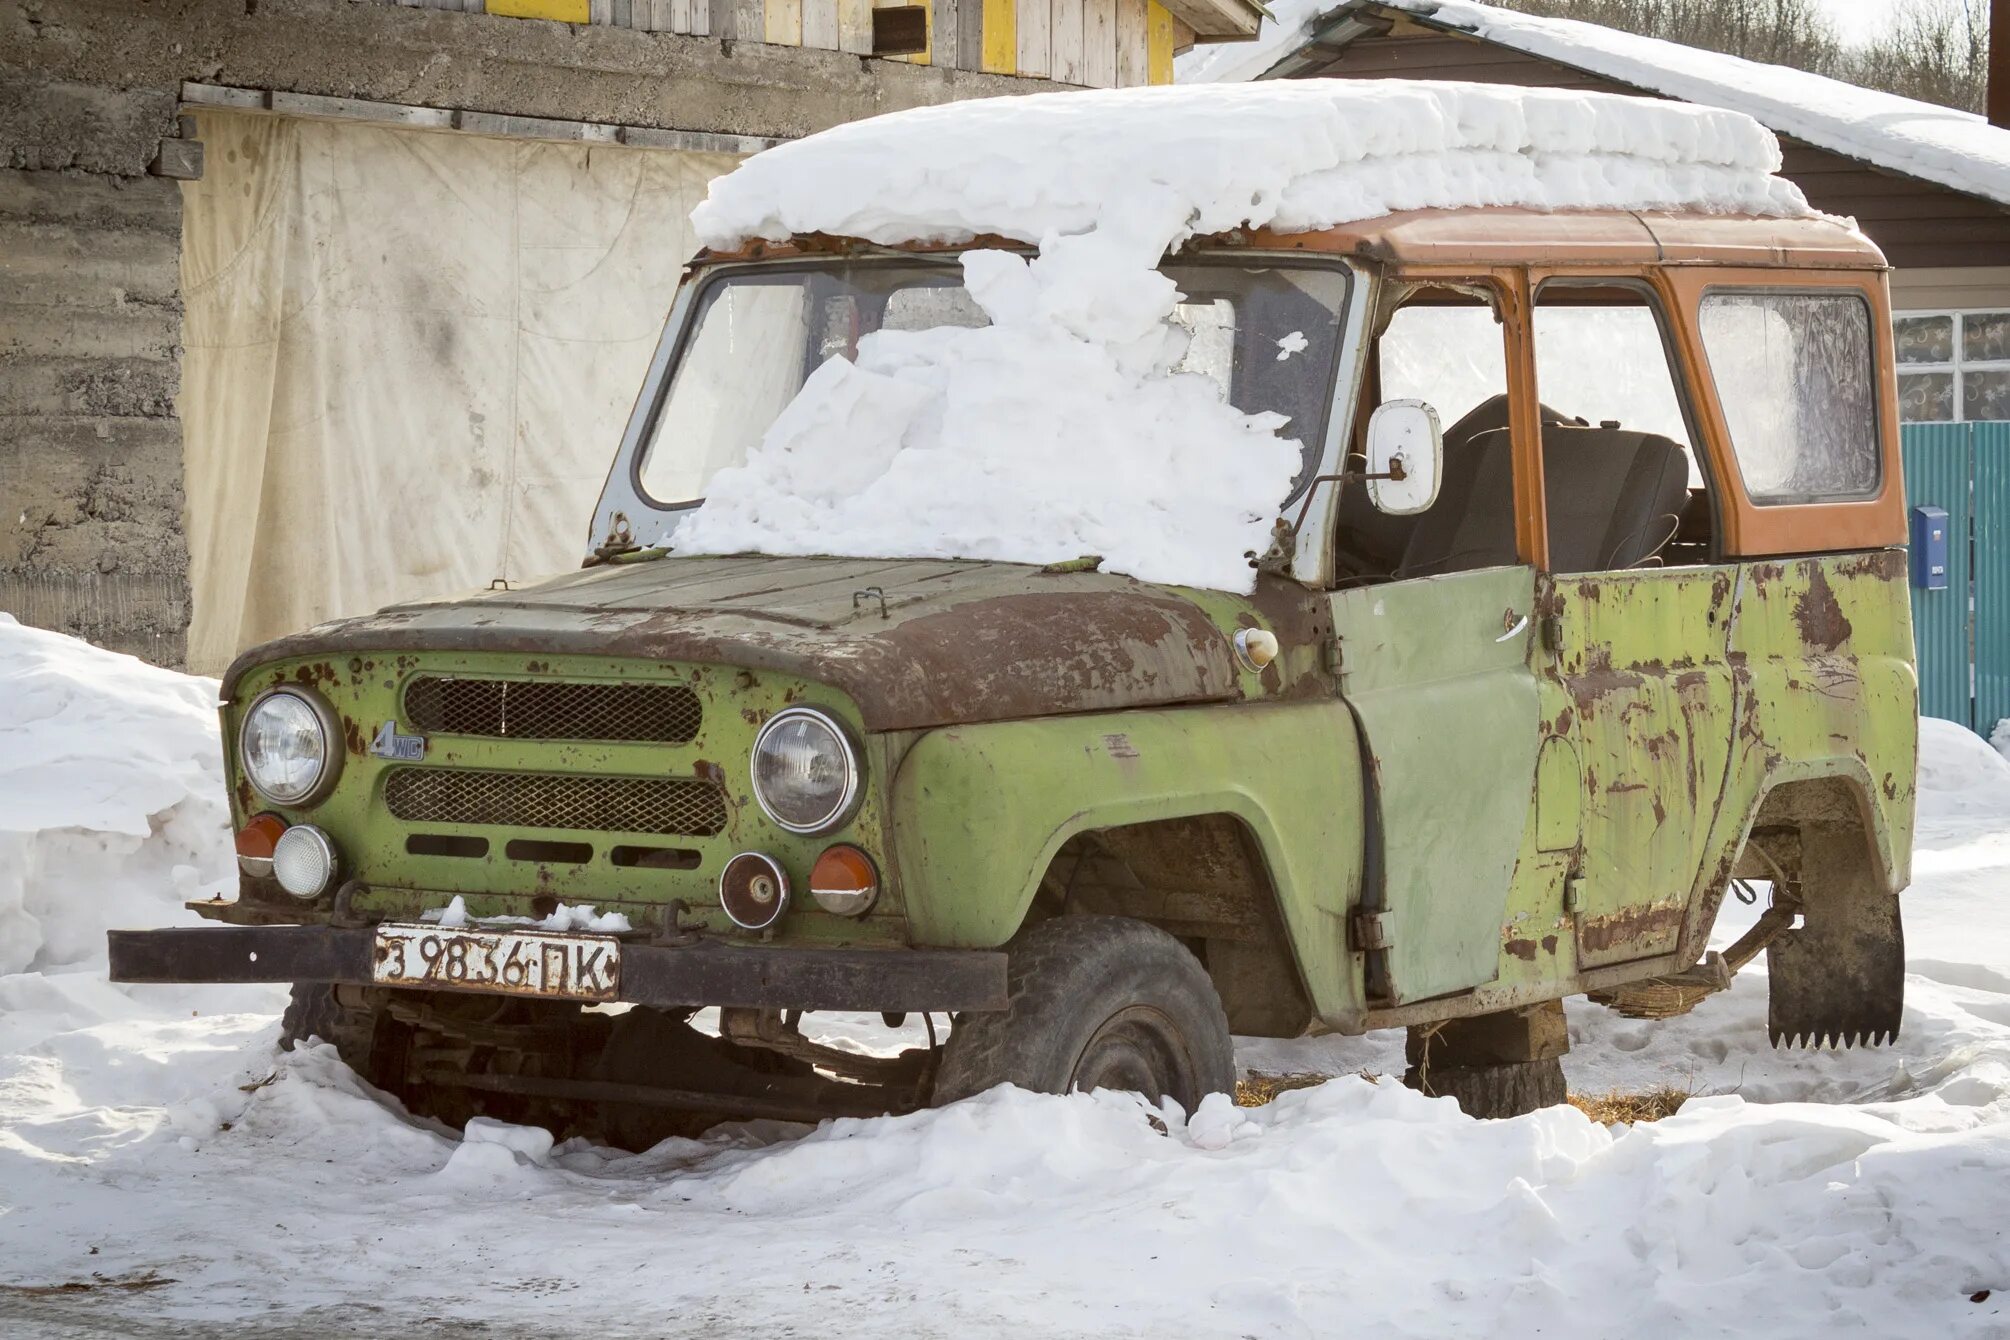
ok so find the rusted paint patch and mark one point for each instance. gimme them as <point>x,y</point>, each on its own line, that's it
<point>1818,614</point>
<point>1632,925</point>
<point>1521,949</point>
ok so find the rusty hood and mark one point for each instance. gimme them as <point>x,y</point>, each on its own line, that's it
<point>915,643</point>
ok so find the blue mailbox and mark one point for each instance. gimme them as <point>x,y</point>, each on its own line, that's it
<point>1929,548</point>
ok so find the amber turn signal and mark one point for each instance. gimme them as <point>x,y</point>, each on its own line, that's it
<point>844,882</point>
<point>255,842</point>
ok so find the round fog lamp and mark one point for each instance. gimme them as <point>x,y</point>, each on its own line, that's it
<point>843,881</point>
<point>303,861</point>
<point>805,770</point>
<point>754,890</point>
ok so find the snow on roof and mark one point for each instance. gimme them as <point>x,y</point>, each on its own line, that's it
<point>1301,154</point>
<point>1939,144</point>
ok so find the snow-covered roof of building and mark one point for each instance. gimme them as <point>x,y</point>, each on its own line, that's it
<point>1952,148</point>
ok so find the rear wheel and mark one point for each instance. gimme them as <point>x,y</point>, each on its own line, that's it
<point>1096,1003</point>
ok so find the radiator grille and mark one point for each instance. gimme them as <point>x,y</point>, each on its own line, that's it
<point>686,807</point>
<point>524,709</point>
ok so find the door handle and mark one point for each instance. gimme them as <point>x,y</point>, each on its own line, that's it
<point>1514,632</point>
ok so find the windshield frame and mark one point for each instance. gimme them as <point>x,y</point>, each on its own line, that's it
<point>626,507</point>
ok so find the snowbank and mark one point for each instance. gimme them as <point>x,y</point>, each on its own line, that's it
<point>1955,148</point>
<point>165,1172</point>
<point>112,805</point>
<point>1062,428</point>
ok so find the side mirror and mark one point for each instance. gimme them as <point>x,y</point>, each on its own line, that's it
<point>1406,457</point>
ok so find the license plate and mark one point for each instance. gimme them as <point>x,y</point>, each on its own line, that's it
<point>512,963</point>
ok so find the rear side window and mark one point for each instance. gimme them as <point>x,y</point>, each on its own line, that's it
<point>1795,376</point>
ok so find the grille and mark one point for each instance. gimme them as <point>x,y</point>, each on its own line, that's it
<point>524,709</point>
<point>687,807</point>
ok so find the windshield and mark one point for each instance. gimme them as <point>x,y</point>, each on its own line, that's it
<point>1266,335</point>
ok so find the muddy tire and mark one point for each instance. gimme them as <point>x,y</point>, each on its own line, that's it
<point>359,1034</point>
<point>1494,1090</point>
<point>1096,1002</point>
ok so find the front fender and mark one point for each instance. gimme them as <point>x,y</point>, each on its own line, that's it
<point>980,811</point>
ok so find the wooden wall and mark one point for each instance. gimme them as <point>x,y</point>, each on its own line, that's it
<point>1094,43</point>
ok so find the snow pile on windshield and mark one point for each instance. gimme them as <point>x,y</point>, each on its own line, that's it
<point>1063,429</point>
<point>112,801</point>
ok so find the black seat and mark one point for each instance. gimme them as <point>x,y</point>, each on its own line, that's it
<point>1615,496</point>
<point>1472,523</point>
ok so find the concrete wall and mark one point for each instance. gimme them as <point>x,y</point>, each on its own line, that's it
<point>91,529</point>
<point>90,327</point>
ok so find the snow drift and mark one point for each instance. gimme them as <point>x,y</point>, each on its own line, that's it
<point>112,804</point>
<point>163,1172</point>
<point>1062,428</point>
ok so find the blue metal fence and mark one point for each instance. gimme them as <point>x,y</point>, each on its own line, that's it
<point>1962,634</point>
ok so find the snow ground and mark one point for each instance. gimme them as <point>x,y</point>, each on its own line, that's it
<point>164,1171</point>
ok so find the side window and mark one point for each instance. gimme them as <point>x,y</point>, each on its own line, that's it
<point>1622,487</point>
<point>1795,376</point>
<point>1447,349</point>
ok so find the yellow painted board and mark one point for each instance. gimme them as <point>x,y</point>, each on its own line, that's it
<point>1131,43</point>
<point>1158,44</point>
<point>1001,36</point>
<point>1035,53</point>
<point>783,23</point>
<point>561,11</point>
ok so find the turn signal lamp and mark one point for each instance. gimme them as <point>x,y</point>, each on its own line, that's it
<point>255,842</point>
<point>844,882</point>
<point>1255,647</point>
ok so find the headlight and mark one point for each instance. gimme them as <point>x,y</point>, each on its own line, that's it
<point>805,770</point>
<point>288,748</point>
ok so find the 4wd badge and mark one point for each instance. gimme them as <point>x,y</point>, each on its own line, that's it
<point>390,744</point>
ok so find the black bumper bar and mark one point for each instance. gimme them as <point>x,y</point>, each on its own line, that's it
<point>701,974</point>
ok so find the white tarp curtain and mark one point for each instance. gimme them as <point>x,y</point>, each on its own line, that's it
<point>408,358</point>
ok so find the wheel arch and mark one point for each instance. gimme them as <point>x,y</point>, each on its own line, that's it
<point>982,814</point>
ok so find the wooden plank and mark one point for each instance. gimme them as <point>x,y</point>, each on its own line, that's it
<point>1035,54</point>
<point>854,20</point>
<point>663,16</point>
<point>1065,35</point>
<point>923,57</point>
<point>1131,43</point>
<point>1158,44</point>
<point>693,17</point>
<point>782,23</point>
<point>942,34</point>
<point>1099,43</point>
<point>820,24</point>
<point>1001,36</point>
<point>739,20</point>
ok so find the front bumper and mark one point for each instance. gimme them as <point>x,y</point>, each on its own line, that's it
<point>889,980</point>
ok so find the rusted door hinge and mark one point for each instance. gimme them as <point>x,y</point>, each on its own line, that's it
<point>1551,631</point>
<point>1373,930</point>
<point>1330,652</point>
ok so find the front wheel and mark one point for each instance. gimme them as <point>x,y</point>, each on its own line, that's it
<point>1096,1003</point>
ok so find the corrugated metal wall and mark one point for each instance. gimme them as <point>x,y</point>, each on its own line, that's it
<point>1989,448</point>
<point>1962,634</point>
<point>1938,467</point>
